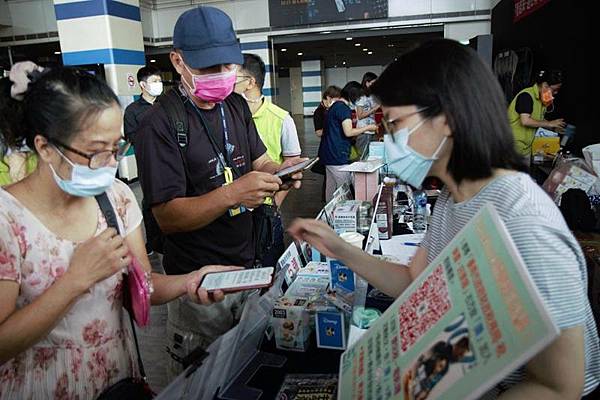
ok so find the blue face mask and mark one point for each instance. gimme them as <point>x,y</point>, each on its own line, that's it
<point>404,162</point>
<point>85,182</point>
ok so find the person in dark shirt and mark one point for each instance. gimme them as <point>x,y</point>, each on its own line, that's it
<point>330,96</point>
<point>334,151</point>
<point>200,192</point>
<point>151,84</point>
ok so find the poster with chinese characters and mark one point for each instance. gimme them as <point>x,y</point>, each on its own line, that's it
<point>472,317</point>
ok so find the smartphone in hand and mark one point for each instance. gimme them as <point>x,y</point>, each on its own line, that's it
<point>236,281</point>
<point>286,174</point>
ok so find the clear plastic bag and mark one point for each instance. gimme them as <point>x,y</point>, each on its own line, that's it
<point>569,173</point>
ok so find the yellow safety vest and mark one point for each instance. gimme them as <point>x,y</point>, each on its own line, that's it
<point>523,134</point>
<point>30,165</point>
<point>269,123</point>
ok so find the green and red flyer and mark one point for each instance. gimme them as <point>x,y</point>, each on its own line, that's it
<point>470,319</point>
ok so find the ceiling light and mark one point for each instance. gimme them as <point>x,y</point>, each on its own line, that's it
<point>344,63</point>
<point>57,52</point>
<point>357,44</point>
<point>465,42</point>
<point>369,53</point>
<point>348,38</point>
<point>365,49</point>
<point>325,33</point>
<point>283,49</point>
<point>153,60</point>
<point>390,45</point>
<point>300,53</point>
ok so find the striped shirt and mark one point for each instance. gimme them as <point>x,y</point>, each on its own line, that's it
<point>552,255</point>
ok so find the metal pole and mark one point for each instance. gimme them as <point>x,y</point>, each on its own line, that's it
<point>10,59</point>
<point>274,75</point>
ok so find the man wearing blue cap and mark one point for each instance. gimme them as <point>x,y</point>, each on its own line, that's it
<point>201,183</point>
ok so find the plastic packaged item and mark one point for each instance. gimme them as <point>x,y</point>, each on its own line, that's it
<point>419,211</point>
<point>354,238</point>
<point>345,216</point>
<point>291,323</point>
<point>384,212</point>
<point>365,317</point>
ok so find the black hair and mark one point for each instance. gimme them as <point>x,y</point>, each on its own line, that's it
<point>352,91</point>
<point>61,103</point>
<point>332,91</point>
<point>255,66</point>
<point>463,88</point>
<point>551,77</point>
<point>146,72</point>
<point>9,117</point>
<point>463,342</point>
<point>432,361</point>
<point>367,77</point>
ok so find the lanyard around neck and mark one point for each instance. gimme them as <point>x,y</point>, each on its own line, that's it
<point>224,159</point>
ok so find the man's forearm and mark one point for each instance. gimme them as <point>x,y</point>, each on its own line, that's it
<point>186,214</point>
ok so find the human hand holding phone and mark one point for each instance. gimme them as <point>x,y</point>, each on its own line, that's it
<point>200,295</point>
<point>291,172</point>
<point>237,280</point>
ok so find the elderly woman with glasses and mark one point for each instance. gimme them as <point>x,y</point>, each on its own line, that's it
<point>63,331</point>
<point>445,117</point>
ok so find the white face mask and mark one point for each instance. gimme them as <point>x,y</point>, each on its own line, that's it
<point>154,88</point>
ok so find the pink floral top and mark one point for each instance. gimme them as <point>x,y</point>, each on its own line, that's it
<point>91,347</point>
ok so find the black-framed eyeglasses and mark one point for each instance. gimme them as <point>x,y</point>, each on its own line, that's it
<point>101,158</point>
<point>388,125</point>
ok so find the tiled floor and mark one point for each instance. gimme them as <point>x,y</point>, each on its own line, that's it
<point>305,202</point>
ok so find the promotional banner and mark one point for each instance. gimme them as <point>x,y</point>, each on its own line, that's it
<point>305,12</point>
<point>472,317</point>
<point>525,7</point>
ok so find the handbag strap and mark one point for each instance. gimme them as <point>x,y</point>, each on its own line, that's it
<point>111,220</point>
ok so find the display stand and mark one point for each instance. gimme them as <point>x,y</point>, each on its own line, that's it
<point>366,178</point>
<point>233,358</point>
<point>238,389</point>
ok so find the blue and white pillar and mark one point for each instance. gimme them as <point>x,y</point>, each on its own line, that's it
<point>105,32</point>
<point>261,46</point>
<point>312,85</point>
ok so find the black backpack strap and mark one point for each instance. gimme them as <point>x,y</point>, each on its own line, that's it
<point>174,106</point>
<point>111,220</point>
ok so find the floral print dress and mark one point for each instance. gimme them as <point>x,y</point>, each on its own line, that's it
<point>91,347</point>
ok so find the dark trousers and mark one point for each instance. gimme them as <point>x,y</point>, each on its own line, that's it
<point>271,258</point>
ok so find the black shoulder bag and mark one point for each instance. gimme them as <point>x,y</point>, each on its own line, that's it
<point>128,388</point>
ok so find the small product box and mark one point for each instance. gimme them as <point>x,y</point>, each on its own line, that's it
<point>345,217</point>
<point>308,286</point>
<point>341,276</point>
<point>291,323</point>
<point>331,330</point>
<point>315,268</point>
<point>340,298</point>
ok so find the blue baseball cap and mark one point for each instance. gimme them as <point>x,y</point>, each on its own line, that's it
<point>206,37</point>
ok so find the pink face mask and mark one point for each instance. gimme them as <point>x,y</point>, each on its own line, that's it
<point>213,88</point>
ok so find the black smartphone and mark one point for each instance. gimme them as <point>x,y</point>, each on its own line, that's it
<point>287,173</point>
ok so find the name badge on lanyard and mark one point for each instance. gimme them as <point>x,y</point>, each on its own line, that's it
<point>228,181</point>
<point>224,159</point>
